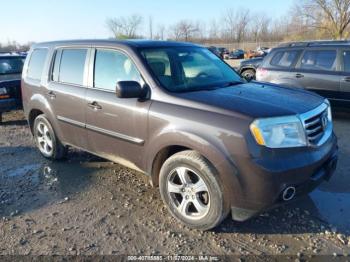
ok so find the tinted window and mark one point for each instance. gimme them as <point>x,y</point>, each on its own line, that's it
<point>187,69</point>
<point>346,59</point>
<point>319,60</point>
<point>112,67</point>
<point>284,58</point>
<point>11,65</point>
<point>72,66</point>
<point>36,63</point>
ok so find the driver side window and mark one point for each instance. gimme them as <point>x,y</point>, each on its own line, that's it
<point>111,67</point>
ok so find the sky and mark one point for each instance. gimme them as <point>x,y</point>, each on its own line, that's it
<point>48,20</point>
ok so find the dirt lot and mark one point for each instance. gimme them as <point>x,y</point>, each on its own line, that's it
<point>85,205</point>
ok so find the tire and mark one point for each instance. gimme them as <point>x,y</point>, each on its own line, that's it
<point>197,205</point>
<point>249,73</point>
<point>0,118</point>
<point>46,140</point>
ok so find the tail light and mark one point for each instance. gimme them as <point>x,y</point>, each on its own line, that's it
<point>261,73</point>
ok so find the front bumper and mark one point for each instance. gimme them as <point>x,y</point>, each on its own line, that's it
<point>263,183</point>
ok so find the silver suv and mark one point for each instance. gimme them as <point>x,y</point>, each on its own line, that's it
<point>319,66</point>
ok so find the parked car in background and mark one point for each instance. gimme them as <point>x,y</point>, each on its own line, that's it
<point>263,50</point>
<point>223,51</point>
<point>214,143</point>
<point>215,51</point>
<point>235,54</point>
<point>247,68</point>
<point>319,66</point>
<point>10,82</point>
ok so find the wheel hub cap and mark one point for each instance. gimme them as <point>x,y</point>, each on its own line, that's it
<point>188,193</point>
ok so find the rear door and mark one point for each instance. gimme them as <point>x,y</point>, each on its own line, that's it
<point>67,91</point>
<point>116,127</point>
<point>344,94</point>
<point>318,71</point>
<point>278,67</point>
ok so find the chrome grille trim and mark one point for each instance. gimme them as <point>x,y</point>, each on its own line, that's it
<point>316,134</point>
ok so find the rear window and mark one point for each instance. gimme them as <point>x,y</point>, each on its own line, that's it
<point>284,58</point>
<point>11,65</point>
<point>69,66</point>
<point>319,60</point>
<point>36,63</point>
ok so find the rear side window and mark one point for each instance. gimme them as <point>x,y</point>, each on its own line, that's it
<point>112,67</point>
<point>346,59</point>
<point>69,66</point>
<point>284,58</point>
<point>319,60</point>
<point>36,63</point>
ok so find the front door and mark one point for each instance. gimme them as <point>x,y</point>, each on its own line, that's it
<point>344,94</point>
<point>66,92</point>
<point>116,127</point>
<point>318,71</point>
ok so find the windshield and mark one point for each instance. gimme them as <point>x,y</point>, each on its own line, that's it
<point>186,69</point>
<point>11,65</point>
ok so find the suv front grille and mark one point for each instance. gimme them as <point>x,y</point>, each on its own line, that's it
<point>316,124</point>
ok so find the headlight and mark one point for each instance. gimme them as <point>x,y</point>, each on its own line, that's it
<point>279,132</point>
<point>3,91</point>
<point>329,111</point>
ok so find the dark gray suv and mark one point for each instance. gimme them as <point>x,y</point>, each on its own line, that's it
<point>319,66</point>
<point>213,142</point>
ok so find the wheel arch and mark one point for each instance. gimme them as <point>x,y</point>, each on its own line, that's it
<point>39,105</point>
<point>169,144</point>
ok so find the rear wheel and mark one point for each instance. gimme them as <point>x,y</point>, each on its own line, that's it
<point>46,139</point>
<point>190,188</point>
<point>0,118</point>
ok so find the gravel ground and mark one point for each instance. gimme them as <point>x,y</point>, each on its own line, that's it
<point>86,205</point>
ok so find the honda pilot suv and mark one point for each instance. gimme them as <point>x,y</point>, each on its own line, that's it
<point>319,66</point>
<point>213,143</point>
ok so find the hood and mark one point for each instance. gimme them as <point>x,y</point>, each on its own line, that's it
<point>258,100</point>
<point>8,77</point>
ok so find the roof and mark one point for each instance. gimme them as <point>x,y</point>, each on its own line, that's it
<point>130,43</point>
<point>316,43</point>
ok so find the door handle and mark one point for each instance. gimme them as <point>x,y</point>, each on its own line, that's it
<point>299,75</point>
<point>51,94</point>
<point>95,105</point>
<point>346,79</point>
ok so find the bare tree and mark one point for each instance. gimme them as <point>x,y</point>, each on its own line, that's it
<point>214,30</point>
<point>184,30</point>
<point>260,27</point>
<point>124,27</point>
<point>332,16</point>
<point>160,32</point>
<point>150,25</point>
<point>236,23</point>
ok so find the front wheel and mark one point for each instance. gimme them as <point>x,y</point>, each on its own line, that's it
<point>248,74</point>
<point>191,190</point>
<point>46,139</point>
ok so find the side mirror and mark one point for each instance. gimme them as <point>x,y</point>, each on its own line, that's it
<point>130,89</point>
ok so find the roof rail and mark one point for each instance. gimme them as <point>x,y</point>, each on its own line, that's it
<point>314,43</point>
